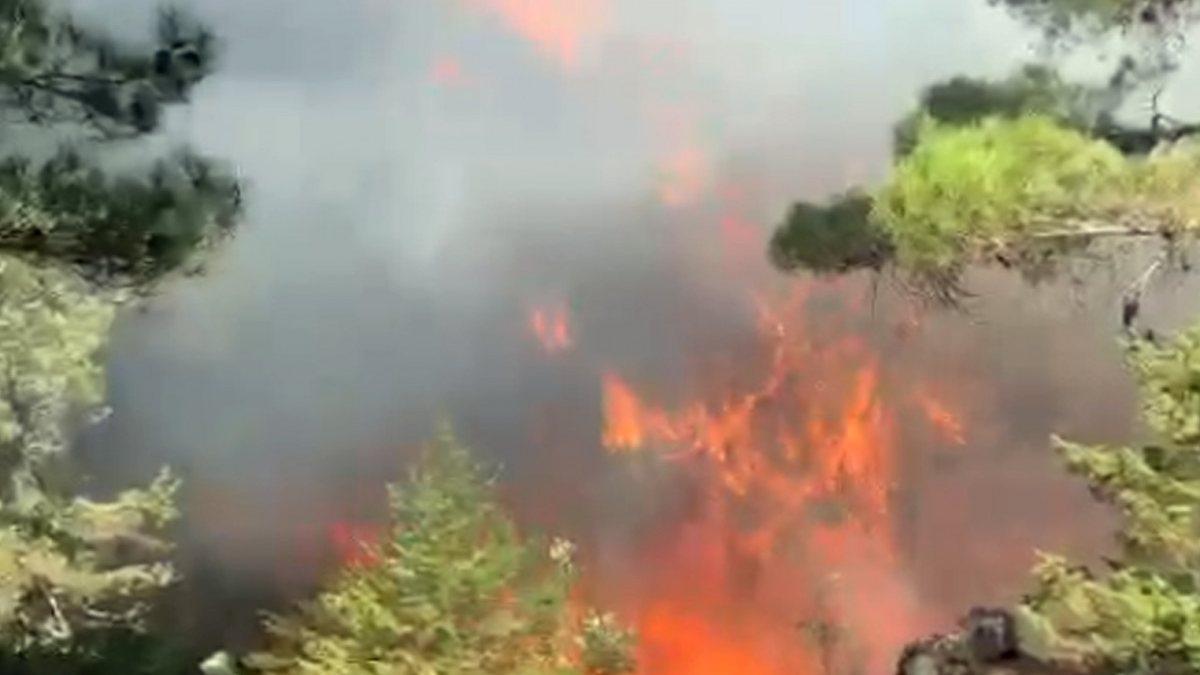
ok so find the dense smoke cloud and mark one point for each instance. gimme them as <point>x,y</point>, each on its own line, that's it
<point>421,176</point>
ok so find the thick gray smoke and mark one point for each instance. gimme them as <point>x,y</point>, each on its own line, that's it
<point>420,173</point>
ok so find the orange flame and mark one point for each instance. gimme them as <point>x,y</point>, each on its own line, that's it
<point>557,28</point>
<point>686,644</point>
<point>802,469</point>
<point>552,328</point>
<point>622,416</point>
<point>948,425</point>
<point>354,543</point>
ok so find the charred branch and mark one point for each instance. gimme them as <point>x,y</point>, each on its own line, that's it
<point>1164,129</point>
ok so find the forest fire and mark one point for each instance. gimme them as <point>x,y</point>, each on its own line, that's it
<point>942,418</point>
<point>354,543</point>
<point>557,28</point>
<point>795,542</point>
<point>551,325</point>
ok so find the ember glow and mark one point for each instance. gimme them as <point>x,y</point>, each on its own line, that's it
<point>684,164</point>
<point>684,174</point>
<point>557,28</point>
<point>551,325</point>
<point>942,418</point>
<point>354,543</point>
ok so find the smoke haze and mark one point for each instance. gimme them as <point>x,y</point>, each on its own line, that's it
<point>425,175</point>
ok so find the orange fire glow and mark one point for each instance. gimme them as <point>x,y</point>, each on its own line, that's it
<point>557,28</point>
<point>354,543</point>
<point>683,160</point>
<point>448,71</point>
<point>551,326</point>
<point>799,472</point>
<point>685,173</point>
<point>942,418</point>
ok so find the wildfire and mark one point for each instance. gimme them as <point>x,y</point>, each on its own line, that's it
<point>557,28</point>
<point>685,173</point>
<point>686,643</point>
<point>551,326</point>
<point>354,543</point>
<point>684,164</point>
<point>623,428</point>
<point>949,426</point>
<point>799,472</point>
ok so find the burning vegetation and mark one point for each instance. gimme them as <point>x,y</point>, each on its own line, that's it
<point>792,555</point>
<point>793,552</point>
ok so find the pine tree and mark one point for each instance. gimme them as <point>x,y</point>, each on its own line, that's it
<point>125,228</point>
<point>1144,614</point>
<point>78,575</point>
<point>1028,173</point>
<point>452,588</point>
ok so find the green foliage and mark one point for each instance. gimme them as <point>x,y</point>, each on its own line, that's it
<point>607,645</point>
<point>127,229</point>
<point>77,574</point>
<point>119,229</point>
<point>1060,18</point>
<point>1025,189</point>
<point>1032,90</point>
<point>832,238</point>
<point>1144,615</point>
<point>113,652</point>
<point>53,70</point>
<point>453,589</point>
<point>69,566</point>
<point>964,189</point>
<point>52,330</point>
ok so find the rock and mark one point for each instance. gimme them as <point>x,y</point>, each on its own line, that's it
<point>991,635</point>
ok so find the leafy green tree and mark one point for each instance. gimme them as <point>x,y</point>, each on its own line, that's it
<point>1062,18</point>
<point>968,192</point>
<point>959,101</point>
<point>836,237</point>
<point>70,567</point>
<point>1020,192</point>
<point>78,575</point>
<point>54,70</point>
<point>1039,89</point>
<point>453,588</point>
<point>1028,172</point>
<point>124,230</point>
<point>1023,190</point>
<point>127,228</point>
<point>1144,615</point>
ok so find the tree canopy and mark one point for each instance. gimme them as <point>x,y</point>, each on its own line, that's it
<point>1003,186</point>
<point>1020,192</point>
<point>452,588</point>
<point>1029,172</point>
<point>1059,18</point>
<point>53,70</point>
<point>1144,615</point>
<point>126,228</point>
<point>78,574</point>
<point>71,568</point>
